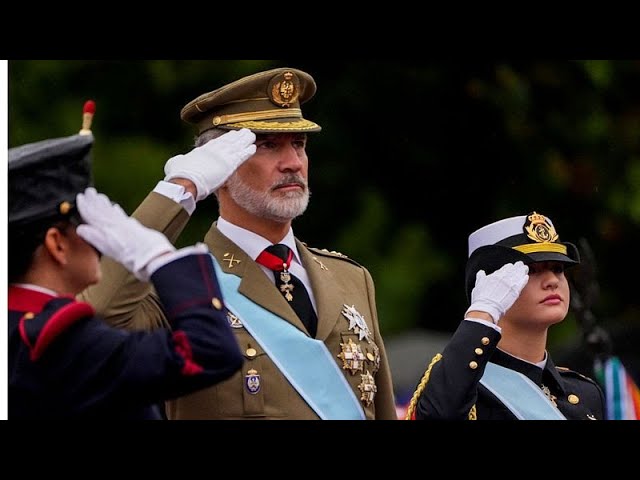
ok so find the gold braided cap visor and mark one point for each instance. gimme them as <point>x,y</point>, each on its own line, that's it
<point>289,120</point>
<point>263,120</point>
<point>541,247</point>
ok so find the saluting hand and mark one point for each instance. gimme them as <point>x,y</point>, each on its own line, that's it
<point>496,293</point>
<point>210,165</point>
<point>109,229</point>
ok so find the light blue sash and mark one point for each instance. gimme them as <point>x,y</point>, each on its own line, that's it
<point>306,362</point>
<point>519,394</point>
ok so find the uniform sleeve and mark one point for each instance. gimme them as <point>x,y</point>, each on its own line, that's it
<point>384,399</point>
<point>104,365</point>
<point>119,297</point>
<point>451,385</point>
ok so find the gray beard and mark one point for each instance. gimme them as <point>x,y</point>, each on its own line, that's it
<point>282,209</point>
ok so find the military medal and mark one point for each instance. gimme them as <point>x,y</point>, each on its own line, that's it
<point>286,287</point>
<point>368,388</point>
<point>352,357</point>
<point>356,322</point>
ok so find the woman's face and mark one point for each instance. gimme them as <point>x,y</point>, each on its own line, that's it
<point>545,299</point>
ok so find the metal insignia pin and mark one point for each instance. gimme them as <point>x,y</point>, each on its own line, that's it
<point>356,322</point>
<point>252,381</point>
<point>234,321</point>
<point>230,260</point>
<point>322,265</point>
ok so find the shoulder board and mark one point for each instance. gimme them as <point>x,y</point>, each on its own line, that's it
<point>331,254</point>
<point>39,331</point>
<point>565,370</point>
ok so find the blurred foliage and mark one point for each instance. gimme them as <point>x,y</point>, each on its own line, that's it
<point>413,157</point>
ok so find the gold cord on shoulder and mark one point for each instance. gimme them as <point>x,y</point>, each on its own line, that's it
<point>421,385</point>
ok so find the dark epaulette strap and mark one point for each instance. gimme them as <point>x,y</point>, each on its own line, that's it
<point>38,332</point>
<point>565,370</point>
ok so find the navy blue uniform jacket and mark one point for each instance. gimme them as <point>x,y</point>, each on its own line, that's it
<point>454,387</point>
<point>66,362</point>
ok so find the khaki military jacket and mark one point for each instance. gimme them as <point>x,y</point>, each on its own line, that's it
<point>339,285</point>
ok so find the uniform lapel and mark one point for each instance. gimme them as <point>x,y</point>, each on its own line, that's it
<point>326,289</point>
<point>552,372</point>
<point>254,283</point>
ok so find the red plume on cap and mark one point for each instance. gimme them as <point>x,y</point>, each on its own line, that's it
<point>87,116</point>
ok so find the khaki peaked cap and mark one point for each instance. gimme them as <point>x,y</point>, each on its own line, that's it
<point>265,102</point>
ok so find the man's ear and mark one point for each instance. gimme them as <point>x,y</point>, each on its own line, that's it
<point>57,245</point>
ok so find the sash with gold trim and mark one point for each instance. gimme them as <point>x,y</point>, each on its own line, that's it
<point>320,382</point>
<point>519,394</point>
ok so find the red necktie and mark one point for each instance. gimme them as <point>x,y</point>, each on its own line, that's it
<point>278,259</point>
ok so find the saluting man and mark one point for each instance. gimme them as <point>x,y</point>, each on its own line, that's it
<point>496,365</point>
<point>305,318</point>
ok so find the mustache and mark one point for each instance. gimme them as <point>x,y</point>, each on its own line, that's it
<point>290,179</point>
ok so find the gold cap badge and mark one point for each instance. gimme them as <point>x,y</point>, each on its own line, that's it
<point>285,89</point>
<point>539,229</point>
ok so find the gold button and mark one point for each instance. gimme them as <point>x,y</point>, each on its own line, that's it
<point>251,352</point>
<point>217,120</point>
<point>217,304</point>
<point>65,207</point>
<point>573,399</point>
<point>29,315</point>
<point>473,365</point>
<point>485,340</point>
<point>479,351</point>
<point>370,356</point>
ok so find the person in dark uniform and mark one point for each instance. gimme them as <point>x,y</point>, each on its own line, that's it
<point>496,365</point>
<point>63,360</point>
<point>305,318</point>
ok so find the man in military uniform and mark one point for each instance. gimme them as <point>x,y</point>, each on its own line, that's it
<point>64,361</point>
<point>304,318</point>
<point>496,365</point>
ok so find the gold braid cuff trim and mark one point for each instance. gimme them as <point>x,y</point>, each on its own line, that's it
<point>420,389</point>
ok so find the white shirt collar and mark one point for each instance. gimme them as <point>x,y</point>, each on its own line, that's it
<point>541,364</point>
<point>37,288</point>
<point>252,243</point>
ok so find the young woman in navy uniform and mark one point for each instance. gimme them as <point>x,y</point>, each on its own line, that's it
<point>496,365</point>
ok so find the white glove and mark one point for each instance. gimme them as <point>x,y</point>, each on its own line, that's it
<point>109,229</point>
<point>208,166</point>
<point>496,293</point>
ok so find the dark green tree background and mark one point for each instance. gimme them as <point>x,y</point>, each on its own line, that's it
<point>413,156</point>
